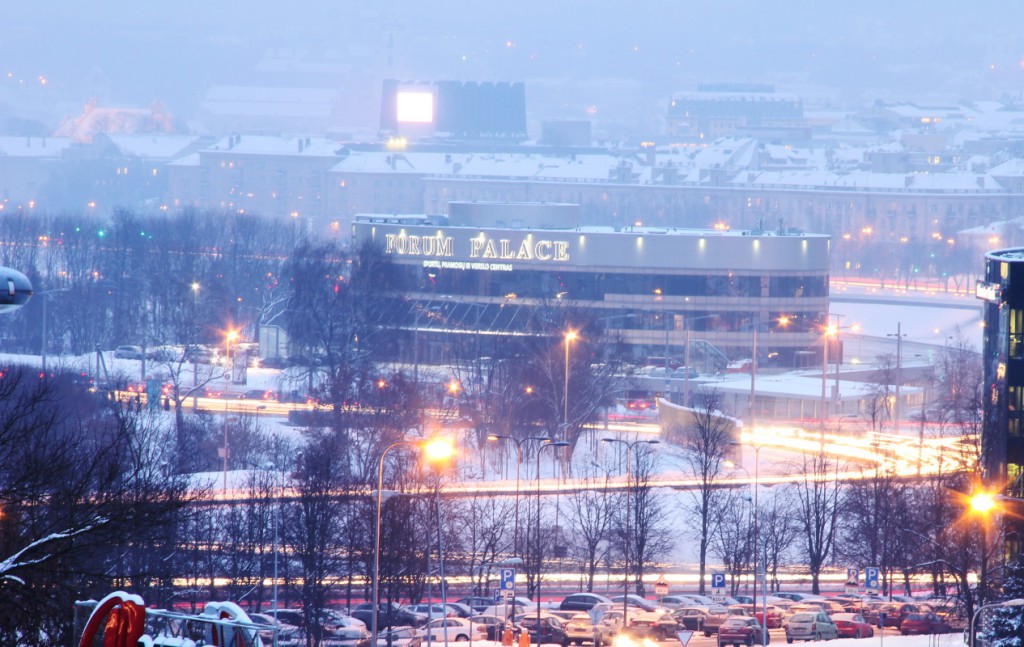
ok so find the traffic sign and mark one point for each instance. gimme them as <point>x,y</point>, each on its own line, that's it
<point>718,580</point>
<point>661,586</point>
<point>508,579</point>
<point>871,578</point>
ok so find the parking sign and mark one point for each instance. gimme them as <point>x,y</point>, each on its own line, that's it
<point>508,579</point>
<point>718,580</point>
<point>871,578</point>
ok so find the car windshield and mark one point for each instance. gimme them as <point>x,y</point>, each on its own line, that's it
<point>735,622</point>
<point>802,617</point>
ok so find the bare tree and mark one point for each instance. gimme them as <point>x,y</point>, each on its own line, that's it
<point>590,512</point>
<point>733,540</point>
<point>778,529</point>
<point>819,498</point>
<point>650,534</point>
<point>706,442</point>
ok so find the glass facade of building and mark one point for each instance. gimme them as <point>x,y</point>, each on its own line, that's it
<point>662,291</point>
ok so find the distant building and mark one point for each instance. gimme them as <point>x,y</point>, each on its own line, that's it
<point>1002,291</point>
<point>714,112</point>
<point>687,294</point>
<point>454,110</point>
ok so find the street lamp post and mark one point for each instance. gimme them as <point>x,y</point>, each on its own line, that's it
<point>544,442</point>
<point>625,543</point>
<point>570,336</point>
<point>899,374</point>
<point>434,451</point>
<point>519,460</point>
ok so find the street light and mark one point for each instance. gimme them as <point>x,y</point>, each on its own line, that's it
<point>519,459</point>
<point>570,336</point>
<point>899,374</point>
<point>544,442</point>
<point>229,339</point>
<point>433,451</point>
<point>437,451</point>
<point>1016,602</point>
<point>625,544</point>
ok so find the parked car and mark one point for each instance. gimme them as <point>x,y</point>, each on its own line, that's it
<point>432,610</point>
<point>924,623</point>
<point>399,636</point>
<point>546,629</point>
<point>659,624</point>
<point>287,635</point>
<point>853,625</point>
<point>582,629</point>
<point>486,627</point>
<point>388,615</point>
<point>829,606</point>
<point>893,614</point>
<point>128,352</point>
<point>582,601</point>
<point>675,601</point>
<point>702,618</point>
<point>742,630</point>
<point>808,625</point>
<point>637,601</point>
<point>458,629</point>
<point>477,603</point>
<point>797,596</point>
<point>776,616</point>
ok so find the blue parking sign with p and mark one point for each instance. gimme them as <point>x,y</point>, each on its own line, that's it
<point>871,577</point>
<point>718,580</point>
<point>508,579</point>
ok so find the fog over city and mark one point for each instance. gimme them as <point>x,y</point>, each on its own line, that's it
<point>317,315</point>
<point>623,59</point>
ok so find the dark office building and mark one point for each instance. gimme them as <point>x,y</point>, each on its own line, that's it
<point>1002,290</point>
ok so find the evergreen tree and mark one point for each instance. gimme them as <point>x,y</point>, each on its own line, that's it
<point>1004,626</point>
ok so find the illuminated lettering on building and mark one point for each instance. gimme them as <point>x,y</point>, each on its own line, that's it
<point>404,245</point>
<point>500,249</point>
<point>988,291</point>
<point>527,250</point>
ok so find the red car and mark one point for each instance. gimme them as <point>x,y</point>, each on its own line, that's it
<point>776,616</point>
<point>742,630</point>
<point>924,623</point>
<point>853,625</point>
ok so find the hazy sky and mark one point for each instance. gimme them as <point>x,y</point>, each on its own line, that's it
<point>136,51</point>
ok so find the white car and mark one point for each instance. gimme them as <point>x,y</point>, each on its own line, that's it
<point>457,629</point>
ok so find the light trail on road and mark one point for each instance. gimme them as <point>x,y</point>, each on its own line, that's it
<point>852,457</point>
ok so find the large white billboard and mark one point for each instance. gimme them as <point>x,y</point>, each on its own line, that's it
<point>415,107</point>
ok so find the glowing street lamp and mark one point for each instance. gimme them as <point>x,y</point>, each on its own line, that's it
<point>436,451</point>
<point>570,336</point>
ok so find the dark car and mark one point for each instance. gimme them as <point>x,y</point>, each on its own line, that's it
<point>389,615</point>
<point>550,630</point>
<point>637,601</point>
<point>477,603</point>
<point>892,615</point>
<point>582,601</point>
<point>742,630</point>
<point>701,618</point>
<point>659,624</point>
<point>924,623</point>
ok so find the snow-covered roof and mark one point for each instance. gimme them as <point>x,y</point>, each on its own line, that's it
<point>34,146</point>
